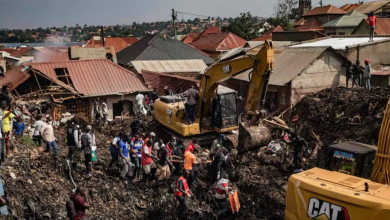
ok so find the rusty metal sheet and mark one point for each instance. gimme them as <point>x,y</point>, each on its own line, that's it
<point>94,77</point>
<point>368,7</point>
<point>14,77</point>
<point>328,9</point>
<point>219,42</point>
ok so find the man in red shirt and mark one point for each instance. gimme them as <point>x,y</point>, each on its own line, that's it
<point>371,23</point>
<point>182,193</point>
<point>191,147</point>
<point>80,204</point>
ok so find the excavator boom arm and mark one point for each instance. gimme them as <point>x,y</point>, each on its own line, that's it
<point>262,64</point>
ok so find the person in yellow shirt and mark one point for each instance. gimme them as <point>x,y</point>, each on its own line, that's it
<point>7,120</point>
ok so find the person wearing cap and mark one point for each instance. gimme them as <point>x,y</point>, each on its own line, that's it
<point>217,143</point>
<point>87,143</point>
<point>367,74</point>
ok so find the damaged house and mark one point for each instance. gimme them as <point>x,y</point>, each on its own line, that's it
<point>74,86</point>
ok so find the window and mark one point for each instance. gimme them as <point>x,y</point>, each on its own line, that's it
<point>63,75</point>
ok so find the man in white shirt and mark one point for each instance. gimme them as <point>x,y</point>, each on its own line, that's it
<point>37,137</point>
<point>140,101</point>
<point>104,112</point>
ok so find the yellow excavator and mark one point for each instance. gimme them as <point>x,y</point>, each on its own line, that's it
<point>336,195</point>
<point>216,110</point>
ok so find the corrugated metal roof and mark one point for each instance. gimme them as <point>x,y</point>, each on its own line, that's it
<point>340,43</point>
<point>170,66</point>
<point>155,47</point>
<point>190,38</point>
<point>368,7</point>
<point>14,77</point>
<point>328,9</point>
<point>160,80</point>
<point>210,30</point>
<point>352,19</point>
<point>94,77</point>
<point>349,7</point>
<point>175,83</point>
<point>16,52</point>
<point>119,43</point>
<point>310,25</point>
<point>288,64</point>
<point>219,42</point>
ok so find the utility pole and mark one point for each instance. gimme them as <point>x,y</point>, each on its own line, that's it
<point>321,3</point>
<point>103,36</point>
<point>219,24</point>
<point>174,17</point>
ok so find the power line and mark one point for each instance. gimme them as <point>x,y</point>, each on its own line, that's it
<point>206,16</point>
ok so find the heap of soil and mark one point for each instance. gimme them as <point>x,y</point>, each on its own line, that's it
<point>341,114</point>
<point>39,186</point>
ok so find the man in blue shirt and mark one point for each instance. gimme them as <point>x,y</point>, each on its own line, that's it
<point>19,128</point>
<point>136,147</point>
<point>124,159</point>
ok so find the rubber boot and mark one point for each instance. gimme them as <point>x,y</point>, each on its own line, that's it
<point>153,173</point>
<point>147,176</point>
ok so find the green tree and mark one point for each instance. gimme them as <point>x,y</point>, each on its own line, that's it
<point>245,26</point>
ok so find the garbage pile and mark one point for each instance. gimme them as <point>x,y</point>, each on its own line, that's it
<point>340,114</point>
<point>39,186</point>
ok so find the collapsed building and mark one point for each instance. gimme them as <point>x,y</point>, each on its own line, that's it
<point>74,86</point>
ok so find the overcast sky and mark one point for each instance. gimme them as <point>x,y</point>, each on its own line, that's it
<point>44,13</point>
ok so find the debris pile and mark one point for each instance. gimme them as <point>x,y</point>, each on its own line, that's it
<point>340,114</point>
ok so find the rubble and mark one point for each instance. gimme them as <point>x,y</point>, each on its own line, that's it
<point>340,114</point>
<point>39,184</point>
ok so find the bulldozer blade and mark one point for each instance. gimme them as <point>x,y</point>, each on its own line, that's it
<point>252,137</point>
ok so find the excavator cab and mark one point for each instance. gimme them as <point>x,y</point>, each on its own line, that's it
<point>224,109</point>
<point>349,157</point>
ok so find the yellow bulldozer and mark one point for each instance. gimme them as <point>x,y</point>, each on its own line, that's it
<point>341,193</point>
<point>216,110</point>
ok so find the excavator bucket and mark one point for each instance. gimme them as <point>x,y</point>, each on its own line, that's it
<point>251,137</point>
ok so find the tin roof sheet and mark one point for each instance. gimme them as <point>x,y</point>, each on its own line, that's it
<point>339,43</point>
<point>94,77</point>
<point>352,19</point>
<point>328,9</point>
<point>349,7</point>
<point>175,83</point>
<point>190,38</point>
<point>219,42</point>
<point>16,52</point>
<point>14,77</point>
<point>170,66</point>
<point>368,7</point>
<point>382,26</point>
<point>155,47</point>
<point>288,64</point>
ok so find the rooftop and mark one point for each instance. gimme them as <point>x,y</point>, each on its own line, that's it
<point>288,64</point>
<point>310,25</point>
<point>339,43</point>
<point>16,52</point>
<point>219,42</point>
<point>119,43</point>
<point>94,77</point>
<point>328,9</point>
<point>210,30</point>
<point>156,47</point>
<point>349,7</point>
<point>382,26</point>
<point>368,7</point>
<point>170,66</point>
<point>190,38</point>
<point>352,19</point>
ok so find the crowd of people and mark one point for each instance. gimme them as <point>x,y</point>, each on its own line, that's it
<point>143,157</point>
<point>361,77</point>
